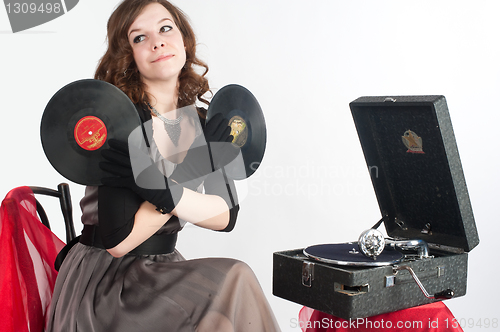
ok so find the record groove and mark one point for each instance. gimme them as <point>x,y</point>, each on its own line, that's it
<point>245,116</point>
<point>77,123</point>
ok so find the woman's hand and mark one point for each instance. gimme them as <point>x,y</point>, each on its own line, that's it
<point>205,159</point>
<point>154,186</point>
<point>147,221</point>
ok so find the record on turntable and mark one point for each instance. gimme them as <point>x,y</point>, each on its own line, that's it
<point>248,127</point>
<point>77,123</point>
<point>372,249</point>
<point>349,254</point>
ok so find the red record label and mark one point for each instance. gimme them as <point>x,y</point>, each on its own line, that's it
<point>90,133</point>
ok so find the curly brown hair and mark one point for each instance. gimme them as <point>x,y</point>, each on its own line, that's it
<point>117,66</point>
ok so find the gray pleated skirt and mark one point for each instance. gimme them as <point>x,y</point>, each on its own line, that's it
<point>96,292</point>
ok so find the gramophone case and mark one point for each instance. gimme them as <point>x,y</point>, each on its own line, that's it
<point>412,157</point>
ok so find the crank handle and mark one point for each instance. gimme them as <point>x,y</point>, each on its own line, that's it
<point>443,295</point>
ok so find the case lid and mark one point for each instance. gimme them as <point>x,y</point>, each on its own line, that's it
<point>413,160</point>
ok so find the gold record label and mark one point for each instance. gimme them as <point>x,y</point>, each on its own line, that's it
<point>239,130</point>
<point>413,142</point>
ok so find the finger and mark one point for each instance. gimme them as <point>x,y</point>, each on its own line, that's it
<point>118,145</point>
<point>224,132</point>
<point>116,157</point>
<point>219,129</point>
<point>115,169</point>
<point>214,123</point>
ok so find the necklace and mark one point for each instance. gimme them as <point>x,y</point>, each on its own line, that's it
<point>172,127</point>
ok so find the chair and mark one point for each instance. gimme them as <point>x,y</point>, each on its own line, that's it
<point>28,250</point>
<point>64,196</point>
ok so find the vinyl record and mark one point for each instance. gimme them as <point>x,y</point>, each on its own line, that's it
<point>247,122</point>
<point>349,254</point>
<point>77,123</point>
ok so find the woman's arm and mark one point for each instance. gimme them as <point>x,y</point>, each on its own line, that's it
<point>207,211</point>
<point>217,209</point>
<point>147,221</point>
<point>211,212</point>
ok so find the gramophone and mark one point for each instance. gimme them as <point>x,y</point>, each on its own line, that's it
<point>425,207</point>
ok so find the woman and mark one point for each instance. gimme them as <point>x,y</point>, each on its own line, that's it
<point>125,274</point>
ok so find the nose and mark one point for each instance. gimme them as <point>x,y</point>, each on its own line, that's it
<point>158,43</point>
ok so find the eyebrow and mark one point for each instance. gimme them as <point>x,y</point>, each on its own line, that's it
<point>163,19</point>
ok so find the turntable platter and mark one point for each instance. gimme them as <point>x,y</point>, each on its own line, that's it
<point>349,254</point>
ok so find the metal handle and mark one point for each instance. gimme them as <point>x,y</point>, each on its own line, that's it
<point>416,244</point>
<point>446,294</point>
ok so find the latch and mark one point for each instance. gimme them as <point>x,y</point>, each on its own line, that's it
<point>307,273</point>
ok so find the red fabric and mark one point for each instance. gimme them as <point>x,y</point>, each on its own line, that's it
<point>27,254</point>
<point>430,317</point>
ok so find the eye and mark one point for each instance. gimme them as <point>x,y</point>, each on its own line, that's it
<point>165,28</point>
<point>138,39</point>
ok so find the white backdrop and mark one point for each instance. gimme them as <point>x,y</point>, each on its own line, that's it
<point>304,61</point>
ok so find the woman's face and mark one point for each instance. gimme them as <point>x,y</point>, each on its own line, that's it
<point>157,44</point>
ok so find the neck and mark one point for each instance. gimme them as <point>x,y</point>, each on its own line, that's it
<point>165,96</point>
